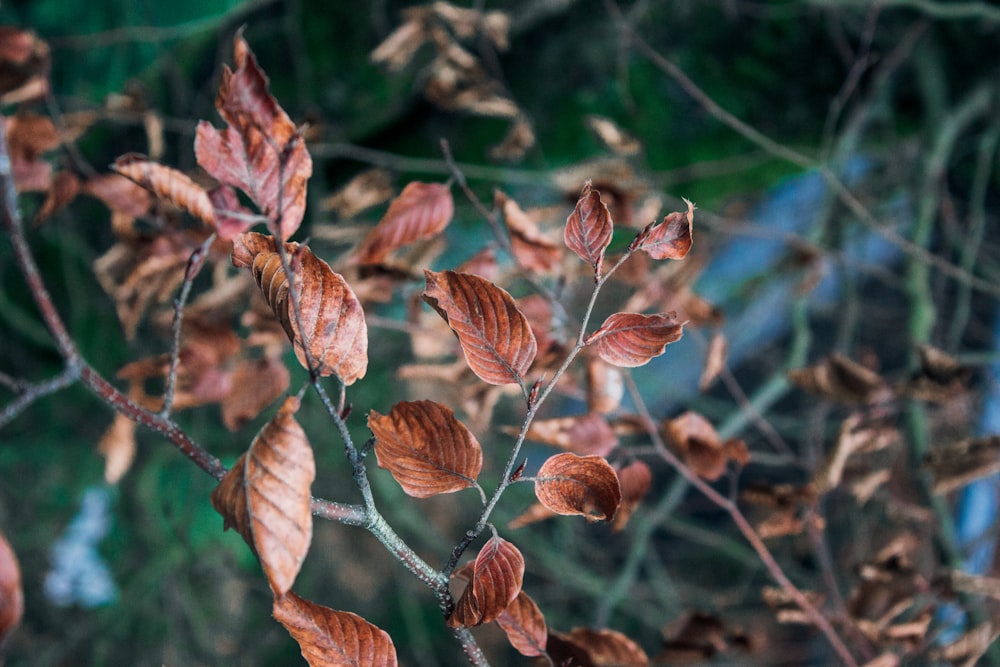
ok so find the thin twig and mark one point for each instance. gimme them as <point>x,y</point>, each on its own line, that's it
<point>29,393</point>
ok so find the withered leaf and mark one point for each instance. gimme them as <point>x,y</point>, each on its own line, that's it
<point>605,386</point>
<point>838,378</point>
<point>525,626</point>
<point>62,191</point>
<point>367,189</point>
<point>495,336</point>
<point>532,250</point>
<point>958,464</point>
<point>632,339</point>
<point>589,227</point>
<point>613,136</point>
<point>260,151</point>
<point>119,194</point>
<point>24,65</point>
<point>715,361</point>
<point>266,497</point>
<point>519,138</point>
<point>584,485</point>
<point>698,443</point>
<point>671,239</point>
<point>330,638</point>
<point>609,648</point>
<point>581,434</point>
<point>426,448</point>
<point>495,583</point>
<point>333,322</point>
<point>420,211</point>
<point>635,480</point>
<point>855,437</point>
<point>167,183</point>
<point>11,589</point>
<point>254,385</point>
<point>563,650</point>
<point>117,446</point>
<point>536,512</point>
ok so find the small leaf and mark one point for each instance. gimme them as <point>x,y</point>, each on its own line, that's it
<point>266,497</point>
<point>671,239</point>
<point>495,582</point>
<point>495,336</point>
<point>715,361</point>
<point>960,463</point>
<point>609,648</point>
<point>335,331</point>
<point>589,227</point>
<point>632,339</point>
<point>330,638</point>
<point>427,450</point>
<point>841,379</point>
<point>168,184</point>
<point>585,485</point>
<point>421,211</point>
<point>613,136</point>
<point>581,434</point>
<point>531,249</point>
<point>11,590</point>
<point>605,386</point>
<point>635,479</point>
<point>117,446</point>
<point>525,626</point>
<point>254,385</point>
<point>698,443</point>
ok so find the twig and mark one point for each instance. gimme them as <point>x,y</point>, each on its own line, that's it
<point>29,393</point>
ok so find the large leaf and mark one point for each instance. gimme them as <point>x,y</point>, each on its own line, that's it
<point>632,339</point>
<point>11,589</point>
<point>260,152</point>
<point>266,497</point>
<point>167,183</point>
<point>333,323</point>
<point>495,336</point>
<point>330,638</point>
<point>420,211</point>
<point>671,239</point>
<point>495,582</point>
<point>426,448</point>
<point>585,485</point>
<point>589,227</point>
<point>525,626</point>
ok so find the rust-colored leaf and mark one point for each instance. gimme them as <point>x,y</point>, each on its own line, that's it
<point>587,434</point>
<point>260,151</point>
<point>420,211</point>
<point>635,479</point>
<point>231,217</point>
<point>589,227</point>
<point>563,650</point>
<point>495,336</point>
<point>167,183</point>
<point>585,485</point>
<point>841,379</point>
<point>367,189</point>
<point>671,239</point>
<point>426,448</point>
<point>11,590</point>
<point>254,385</point>
<point>266,497</point>
<point>117,446</point>
<point>715,361</point>
<point>536,512</point>
<point>632,339</point>
<point>496,581</point>
<point>698,443</point>
<point>525,626</point>
<point>62,191</point>
<point>609,648</point>
<point>333,322</point>
<point>330,638</point>
<point>119,194</point>
<point>532,250</point>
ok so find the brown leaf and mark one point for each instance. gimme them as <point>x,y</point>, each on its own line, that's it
<point>855,437</point>
<point>697,637</point>
<point>605,386</point>
<point>698,443</point>
<point>495,336</point>
<point>960,463</point>
<point>168,184</point>
<point>589,227</point>
<point>609,648</point>
<point>398,49</point>
<point>496,581</point>
<point>367,189</point>
<point>581,434</point>
<point>330,638</point>
<point>536,512</point>
<point>715,361</point>
<point>427,450</point>
<point>632,339</point>
<point>524,624</point>
<point>841,379</point>
<point>585,485</point>
<point>119,194</point>
<point>231,217</point>
<point>62,191</point>
<point>671,239</point>
<point>30,135</point>
<point>635,480</point>
<point>420,211</point>
<point>266,497</point>
<point>532,250</point>
<point>614,137</point>
<point>940,379</point>
<point>117,446</point>
<point>24,66</point>
<point>519,138</point>
<point>333,322</point>
<point>11,590</point>
<point>254,385</point>
<point>260,151</point>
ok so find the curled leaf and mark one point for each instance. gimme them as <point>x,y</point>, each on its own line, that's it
<point>585,485</point>
<point>525,626</point>
<point>495,582</point>
<point>632,339</point>
<point>531,249</point>
<point>333,322</point>
<point>635,479</point>
<point>495,336</point>
<point>609,648</point>
<point>589,227</point>
<point>841,379</point>
<point>582,434</point>
<point>698,443</point>
<point>420,211</point>
<point>671,239</point>
<point>427,450</point>
<point>266,497</point>
<point>330,638</point>
<point>167,183</point>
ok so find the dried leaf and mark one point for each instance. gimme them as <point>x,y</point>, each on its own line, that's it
<point>609,648</point>
<point>495,336</point>
<point>940,379</point>
<point>841,379</point>
<point>855,437</point>
<point>960,463</point>
<point>62,191</point>
<point>515,144</point>
<point>367,189</point>
<point>585,485</point>
<point>168,184</point>
<point>589,227</point>
<point>11,590</point>
<point>563,650</point>
<point>397,50</point>
<point>698,443</point>
<point>331,638</point>
<point>254,385</point>
<point>421,211</point>
<point>614,137</point>
<point>231,217</point>
<point>697,637</point>
<point>715,361</point>
<point>24,65</point>
<point>495,583</point>
<point>117,446</point>
<point>632,339</point>
<point>671,239</point>
<point>532,250</point>
<point>427,450</point>
<point>524,624</point>
<point>581,434</point>
<point>119,194</point>
<point>605,386</point>
<point>635,480</point>
<point>266,497</point>
<point>260,151</point>
<point>536,512</point>
<point>333,322</point>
